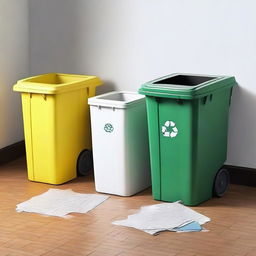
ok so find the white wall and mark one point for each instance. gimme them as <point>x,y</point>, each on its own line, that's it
<point>13,66</point>
<point>128,42</point>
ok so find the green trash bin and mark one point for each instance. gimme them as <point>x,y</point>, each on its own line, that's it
<point>188,123</point>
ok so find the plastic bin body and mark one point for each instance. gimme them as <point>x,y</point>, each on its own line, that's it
<point>56,124</point>
<point>184,164</point>
<point>120,143</point>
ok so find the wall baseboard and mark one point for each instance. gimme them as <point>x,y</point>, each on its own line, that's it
<point>12,152</point>
<point>242,175</point>
<point>238,175</point>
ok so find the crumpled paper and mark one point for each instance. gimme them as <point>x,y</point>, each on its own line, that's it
<point>155,218</point>
<point>58,202</point>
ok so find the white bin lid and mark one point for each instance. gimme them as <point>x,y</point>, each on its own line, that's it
<point>117,99</point>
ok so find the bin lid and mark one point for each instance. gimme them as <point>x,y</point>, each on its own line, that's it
<point>55,83</point>
<point>117,99</point>
<point>186,86</point>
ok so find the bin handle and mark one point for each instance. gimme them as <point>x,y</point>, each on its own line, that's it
<point>44,96</point>
<point>91,91</point>
<point>204,100</point>
<point>180,101</point>
<point>99,107</point>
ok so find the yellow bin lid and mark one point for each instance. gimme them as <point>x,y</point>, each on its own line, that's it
<point>55,83</point>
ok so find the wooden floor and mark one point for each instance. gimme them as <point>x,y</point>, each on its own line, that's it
<point>232,229</point>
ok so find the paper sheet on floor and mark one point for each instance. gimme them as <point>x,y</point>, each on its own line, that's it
<point>159,217</point>
<point>191,227</point>
<point>58,202</point>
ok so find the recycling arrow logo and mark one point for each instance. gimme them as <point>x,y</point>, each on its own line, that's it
<point>108,127</point>
<point>169,129</point>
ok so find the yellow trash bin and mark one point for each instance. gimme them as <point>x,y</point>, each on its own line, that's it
<point>56,123</point>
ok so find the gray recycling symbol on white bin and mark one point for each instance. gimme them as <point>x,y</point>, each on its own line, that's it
<point>169,129</point>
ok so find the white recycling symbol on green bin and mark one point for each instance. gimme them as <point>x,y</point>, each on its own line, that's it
<point>169,129</point>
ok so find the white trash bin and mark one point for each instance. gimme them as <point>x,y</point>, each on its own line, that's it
<point>120,143</point>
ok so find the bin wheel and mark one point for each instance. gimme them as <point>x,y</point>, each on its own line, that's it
<point>221,182</point>
<point>84,162</point>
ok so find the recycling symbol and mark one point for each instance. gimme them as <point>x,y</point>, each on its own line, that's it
<point>108,127</point>
<point>169,129</point>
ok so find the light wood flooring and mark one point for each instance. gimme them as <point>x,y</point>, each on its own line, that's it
<point>232,229</point>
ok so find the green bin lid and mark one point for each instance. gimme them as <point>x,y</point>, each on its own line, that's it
<point>186,86</point>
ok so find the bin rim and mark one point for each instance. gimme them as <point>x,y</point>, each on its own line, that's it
<point>152,88</point>
<point>33,85</point>
<point>98,100</point>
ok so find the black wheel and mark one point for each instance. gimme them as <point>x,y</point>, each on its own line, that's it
<point>84,162</point>
<point>221,183</point>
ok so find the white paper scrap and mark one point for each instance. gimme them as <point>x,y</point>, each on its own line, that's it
<point>159,217</point>
<point>58,202</point>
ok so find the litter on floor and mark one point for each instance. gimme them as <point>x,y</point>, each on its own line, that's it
<point>58,202</point>
<point>155,218</point>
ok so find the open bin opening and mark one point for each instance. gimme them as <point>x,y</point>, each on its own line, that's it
<point>186,80</point>
<point>121,96</point>
<point>56,79</point>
